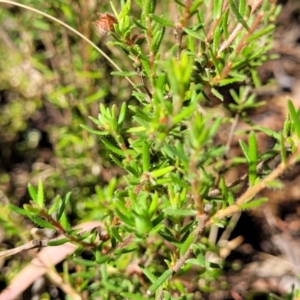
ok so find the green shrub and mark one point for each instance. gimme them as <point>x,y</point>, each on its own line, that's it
<point>158,133</point>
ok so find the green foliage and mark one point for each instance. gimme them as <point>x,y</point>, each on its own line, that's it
<point>157,140</point>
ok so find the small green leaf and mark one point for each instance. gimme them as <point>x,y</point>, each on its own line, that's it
<point>269,132</point>
<point>242,7</point>
<point>140,113</point>
<point>274,184</point>
<point>18,210</point>
<point>217,94</point>
<point>187,243</point>
<point>161,172</point>
<point>139,24</point>
<point>125,250</point>
<point>146,157</point>
<point>148,274</point>
<point>32,192</point>
<point>143,224</point>
<point>282,149</point>
<point>40,195</point>
<point>237,14</point>
<point>196,35</point>
<point>253,204</point>
<point>217,10</point>
<point>58,242</point>
<point>295,118</point>
<point>112,147</point>
<point>159,281</point>
<point>42,223</point>
<point>55,206</point>
<point>161,21</point>
<point>115,233</point>
<point>101,260</point>
<point>195,5</point>
<point>116,161</point>
<point>124,219</point>
<point>157,39</point>
<point>223,188</point>
<point>180,3</point>
<point>63,204</point>
<point>252,158</point>
<point>154,204</point>
<point>201,262</point>
<point>260,33</point>
<point>133,296</point>
<point>83,262</point>
<point>179,212</point>
<point>98,132</point>
<point>122,113</point>
<point>185,113</point>
<point>245,150</point>
<point>124,74</point>
<point>31,209</point>
<point>64,221</point>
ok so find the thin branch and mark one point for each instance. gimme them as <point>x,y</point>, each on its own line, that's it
<point>35,243</point>
<point>254,190</point>
<point>197,234</point>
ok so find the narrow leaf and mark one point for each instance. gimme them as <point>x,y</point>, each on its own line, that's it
<point>179,212</point>
<point>124,74</point>
<point>217,94</point>
<point>187,244</point>
<point>237,14</point>
<point>55,206</point>
<point>18,210</point>
<point>63,205</point>
<point>133,296</point>
<point>146,157</point>
<point>98,132</point>
<point>274,184</point>
<point>245,149</point>
<point>40,194</point>
<point>217,10</point>
<point>269,132</point>
<point>295,118</point>
<point>112,147</point>
<point>196,35</point>
<point>42,223</point>
<point>253,204</point>
<point>157,39</point>
<point>161,172</point>
<point>159,281</point>
<point>282,148</point>
<point>32,192</point>
<point>122,113</point>
<point>252,158</point>
<point>58,242</point>
<point>161,21</point>
<point>148,274</point>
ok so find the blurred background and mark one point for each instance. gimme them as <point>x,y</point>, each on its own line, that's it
<point>51,81</point>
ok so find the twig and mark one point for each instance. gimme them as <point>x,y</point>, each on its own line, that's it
<point>35,243</point>
<point>197,234</point>
<point>243,178</point>
<point>252,191</point>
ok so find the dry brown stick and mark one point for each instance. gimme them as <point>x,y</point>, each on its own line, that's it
<point>35,243</point>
